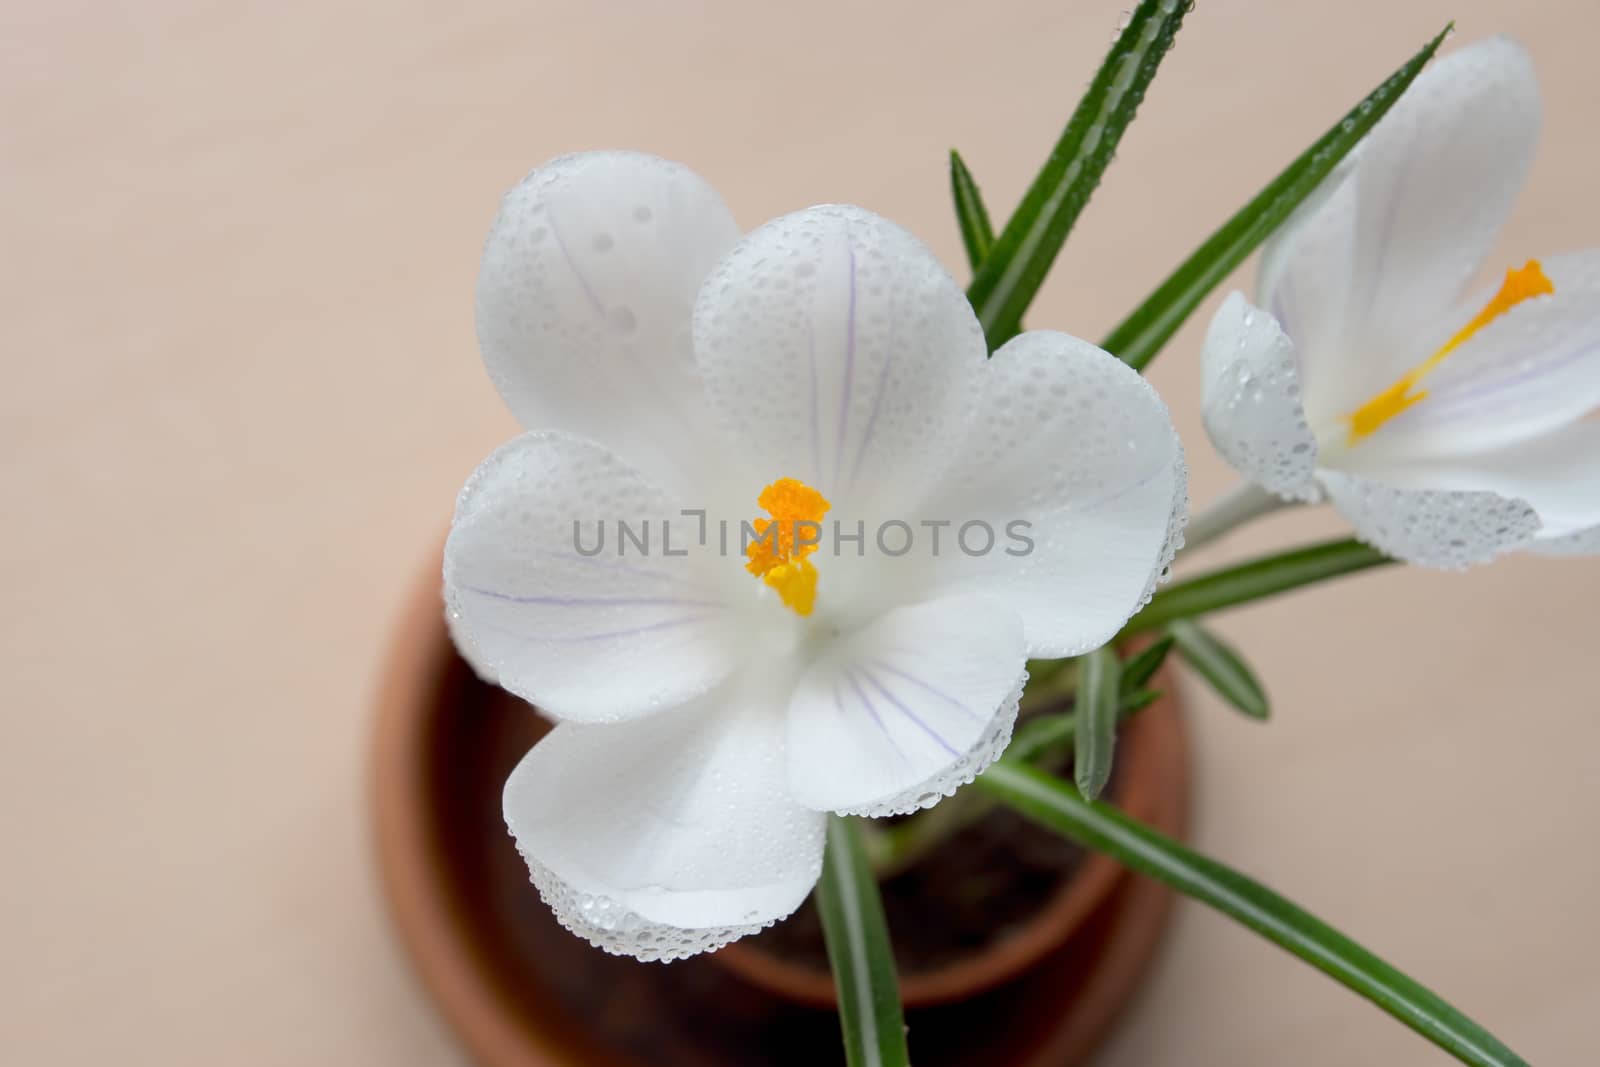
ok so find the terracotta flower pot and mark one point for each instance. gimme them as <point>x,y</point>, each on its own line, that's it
<point>522,992</point>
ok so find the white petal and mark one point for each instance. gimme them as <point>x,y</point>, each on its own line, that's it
<point>1535,368</point>
<point>481,667</point>
<point>1578,543</point>
<point>1557,474</point>
<point>1435,183</point>
<point>584,300</point>
<point>838,351</point>
<point>1431,527</point>
<point>1304,281</point>
<point>1251,400</point>
<point>1075,452</point>
<point>895,716</point>
<point>593,638</point>
<point>668,836</point>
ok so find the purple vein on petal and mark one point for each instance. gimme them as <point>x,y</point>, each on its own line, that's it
<point>612,565</point>
<point>921,724</point>
<point>572,264</point>
<point>596,601</point>
<point>816,416</point>
<point>1446,401</point>
<point>1089,504</point>
<point>927,687</point>
<point>877,399</point>
<point>665,399</point>
<point>669,624</point>
<point>849,359</point>
<point>634,631</point>
<point>1096,503</point>
<point>872,709</point>
<point>1371,278</point>
<point>1285,303</point>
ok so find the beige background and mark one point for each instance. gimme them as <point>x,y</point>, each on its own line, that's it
<point>237,246</point>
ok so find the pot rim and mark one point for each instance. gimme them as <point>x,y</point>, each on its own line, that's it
<point>415,672</point>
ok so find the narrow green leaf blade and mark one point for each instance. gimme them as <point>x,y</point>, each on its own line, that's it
<point>1057,805</point>
<point>1140,667</point>
<point>1016,266</point>
<point>1253,580</point>
<point>859,953</point>
<point>1096,732</point>
<point>1141,335</point>
<point>1043,734</point>
<point>977,234</point>
<point>1056,733</point>
<point>1220,664</point>
<point>1138,700</point>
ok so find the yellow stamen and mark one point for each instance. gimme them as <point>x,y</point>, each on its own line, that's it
<point>796,583</point>
<point>778,555</point>
<point>1522,283</point>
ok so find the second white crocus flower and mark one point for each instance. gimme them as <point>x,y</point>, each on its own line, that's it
<point>714,701</point>
<point>1446,425</point>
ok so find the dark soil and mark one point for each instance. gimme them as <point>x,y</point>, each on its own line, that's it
<point>973,890</point>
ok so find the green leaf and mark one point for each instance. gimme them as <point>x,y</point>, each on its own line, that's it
<point>1218,663</point>
<point>1140,667</point>
<point>1258,578</point>
<point>1142,333</point>
<point>1057,805</point>
<point>860,953</point>
<point>1016,266</point>
<point>1137,701</point>
<point>1056,733</point>
<point>973,218</point>
<point>1096,732</point>
<point>1040,735</point>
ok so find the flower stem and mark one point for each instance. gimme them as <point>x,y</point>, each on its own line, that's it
<point>1252,580</point>
<point>1234,508</point>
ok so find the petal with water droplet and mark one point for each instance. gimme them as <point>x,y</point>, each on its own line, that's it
<point>668,836</point>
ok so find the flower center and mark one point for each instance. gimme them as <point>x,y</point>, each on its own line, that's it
<point>1522,283</point>
<point>779,550</point>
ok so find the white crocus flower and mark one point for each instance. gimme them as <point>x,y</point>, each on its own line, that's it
<point>712,706</point>
<point>1447,425</point>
